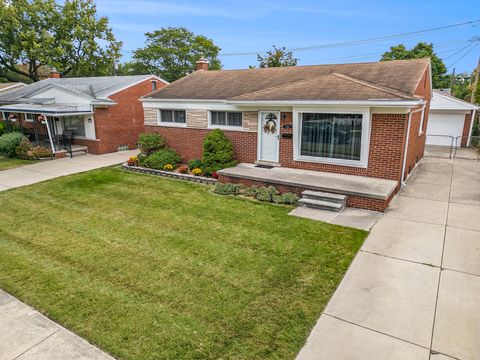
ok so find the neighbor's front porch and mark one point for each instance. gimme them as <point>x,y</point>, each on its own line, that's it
<point>361,191</point>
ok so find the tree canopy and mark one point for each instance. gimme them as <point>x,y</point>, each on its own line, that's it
<point>171,53</point>
<point>276,57</point>
<point>421,50</point>
<point>69,37</point>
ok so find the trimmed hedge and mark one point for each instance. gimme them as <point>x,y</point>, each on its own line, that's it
<point>159,159</point>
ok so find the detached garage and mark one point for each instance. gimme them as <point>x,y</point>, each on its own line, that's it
<point>450,121</point>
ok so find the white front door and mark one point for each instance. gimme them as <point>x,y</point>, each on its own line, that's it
<point>268,138</point>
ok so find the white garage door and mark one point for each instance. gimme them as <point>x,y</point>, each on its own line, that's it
<point>442,126</point>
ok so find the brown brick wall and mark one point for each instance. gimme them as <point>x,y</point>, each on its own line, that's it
<point>120,124</point>
<point>466,129</point>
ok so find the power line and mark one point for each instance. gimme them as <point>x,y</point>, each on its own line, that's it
<point>465,54</point>
<point>457,52</point>
<point>363,41</point>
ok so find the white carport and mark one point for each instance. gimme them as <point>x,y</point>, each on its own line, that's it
<point>447,125</point>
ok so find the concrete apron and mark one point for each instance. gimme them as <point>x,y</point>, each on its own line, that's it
<point>412,291</point>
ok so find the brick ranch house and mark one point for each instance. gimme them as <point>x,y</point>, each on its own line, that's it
<point>103,113</point>
<point>357,127</point>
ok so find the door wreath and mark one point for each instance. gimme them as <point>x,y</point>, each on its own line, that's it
<point>270,126</point>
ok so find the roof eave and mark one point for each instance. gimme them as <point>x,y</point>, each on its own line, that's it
<point>400,103</point>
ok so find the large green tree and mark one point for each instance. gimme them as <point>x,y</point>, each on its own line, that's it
<point>69,37</point>
<point>421,50</point>
<point>172,52</point>
<point>463,85</point>
<point>276,57</point>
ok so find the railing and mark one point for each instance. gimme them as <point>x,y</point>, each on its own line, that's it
<point>449,140</point>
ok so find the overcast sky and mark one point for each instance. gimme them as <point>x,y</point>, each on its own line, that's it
<point>252,26</point>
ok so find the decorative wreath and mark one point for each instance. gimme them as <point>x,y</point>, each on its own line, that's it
<point>270,127</point>
<point>41,119</point>
<point>13,118</point>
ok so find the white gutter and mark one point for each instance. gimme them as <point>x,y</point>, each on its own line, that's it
<point>404,166</point>
<point>471,127</point>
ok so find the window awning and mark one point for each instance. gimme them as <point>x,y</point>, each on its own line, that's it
<point>49,109</point>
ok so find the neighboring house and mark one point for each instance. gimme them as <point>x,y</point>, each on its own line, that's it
<point>8,86</point>
<point>450,121</point>
<point>363,119</point>
<point>103,113</point>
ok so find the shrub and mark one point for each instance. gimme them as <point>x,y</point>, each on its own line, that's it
<point>266,193</point>
<point>250,191</point>
<point>217,152</point>
<point>150,143</point>
<point>132,161</point>
<point>183,169</point>
<point>168,167</point>
<point>194,163</point>
<point>2,128</point>
<point>227,189</point>
<point>9,143</point>
<point>159,159</point>
<point>286,198</point>
<point>23,149</point>
<point>197,172</point>
<point>38,152</point>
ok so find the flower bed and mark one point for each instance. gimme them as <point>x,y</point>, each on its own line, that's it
<point>170,174</point>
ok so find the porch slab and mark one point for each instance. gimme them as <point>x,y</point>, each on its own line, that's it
<point>361,186</point>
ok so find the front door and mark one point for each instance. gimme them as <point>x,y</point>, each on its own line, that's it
<point>268,139</point>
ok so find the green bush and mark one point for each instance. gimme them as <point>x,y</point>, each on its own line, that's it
<point>159,159</point>
<point>227,189</point>
<point>9,143</point>
<point>250,191</point>
<point>286,198</point>
<point>150,143</point>
<point>23,149</point>
<point>2,128</point>
<point>266,193</point>
<point>38,152</point>
<point>195,163</point>
<point>217,152</point>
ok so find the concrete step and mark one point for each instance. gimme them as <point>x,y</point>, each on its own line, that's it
<point>320,195</point>
<point>321,204</point>
<point>79,153</point>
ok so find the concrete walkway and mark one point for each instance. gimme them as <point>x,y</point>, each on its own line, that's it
<point>413,291</point>
<point>46,170</point>
<point>25,334</point>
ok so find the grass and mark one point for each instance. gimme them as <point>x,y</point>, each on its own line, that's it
<point>8,163</point>
<point>152,268</point>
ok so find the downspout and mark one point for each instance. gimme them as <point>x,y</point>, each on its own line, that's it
<point>469,139</point>
<point>402,181</point>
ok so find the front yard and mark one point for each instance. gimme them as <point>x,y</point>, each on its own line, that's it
<point>8,163</point>
<point>151,268</point>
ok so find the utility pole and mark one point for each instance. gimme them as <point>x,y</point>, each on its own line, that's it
<point>452,83</point>
<point>475,83</point>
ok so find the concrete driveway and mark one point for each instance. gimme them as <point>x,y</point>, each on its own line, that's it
<point>413,290</point>
<point>46,170</point>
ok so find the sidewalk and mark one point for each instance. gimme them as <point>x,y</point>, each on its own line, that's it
<point>413,290</point>
<point>46,170</point>
<point>28,335</point>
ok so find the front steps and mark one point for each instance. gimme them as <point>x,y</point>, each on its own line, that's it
<point>79,150</point>
<point>323,200</point>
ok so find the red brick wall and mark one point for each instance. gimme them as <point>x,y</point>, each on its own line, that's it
<point>120,124</point>
<point>466,129</point>
<point>188,142</point>
<point>352,201</point>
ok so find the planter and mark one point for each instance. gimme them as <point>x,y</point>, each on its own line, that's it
<point>170,174</point>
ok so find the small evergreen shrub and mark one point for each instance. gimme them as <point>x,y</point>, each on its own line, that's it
<point>286,198</point>
<point>9,143</point>
<point>159,159</point>
<point>151,142</point>
<point>227,189</point>
<point>266,193</point>
<point>217,152</point>
<point>194,163</point>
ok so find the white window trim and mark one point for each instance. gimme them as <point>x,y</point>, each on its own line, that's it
<point>365,145</point>
<point>224,127</point>
<point>171,124</point>
<point>28,120</point>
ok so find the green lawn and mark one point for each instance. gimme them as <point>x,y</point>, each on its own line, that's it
<point>152,268</point>
<point>7,163</point>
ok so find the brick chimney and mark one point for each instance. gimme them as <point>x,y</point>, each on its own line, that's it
<point>54,74</point>
<point>201,65</point>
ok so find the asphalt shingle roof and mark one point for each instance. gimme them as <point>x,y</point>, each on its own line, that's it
<point>358,81</point>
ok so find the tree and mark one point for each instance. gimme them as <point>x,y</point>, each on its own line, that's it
<point>172,52</point>
<point>276,57</point>
<point>41,33</point>
<point>421,50</point>
<point>463,86</point>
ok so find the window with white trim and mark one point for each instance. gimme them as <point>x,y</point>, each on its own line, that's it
<point>29,117</point>
<point>172,117</point>
<point>226,118</point>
